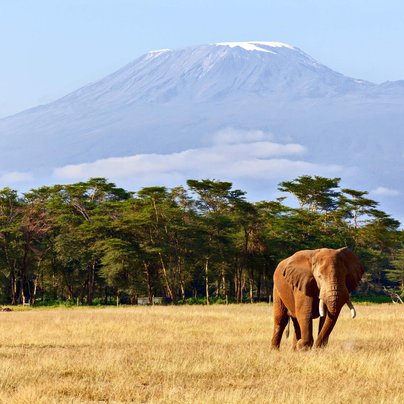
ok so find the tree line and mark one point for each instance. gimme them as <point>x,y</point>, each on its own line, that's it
<point>93,242</point>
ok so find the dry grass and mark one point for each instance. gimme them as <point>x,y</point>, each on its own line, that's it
<point>195,354</point>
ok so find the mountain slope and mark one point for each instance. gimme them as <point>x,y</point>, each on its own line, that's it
<point>172,100</point>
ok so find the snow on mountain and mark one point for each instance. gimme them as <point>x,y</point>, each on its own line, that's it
<point>175,102</point>
<point>260,46</point>
<point>215,72</point>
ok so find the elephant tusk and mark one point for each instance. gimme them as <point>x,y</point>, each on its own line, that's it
<point>352,308</point>
<point>321,308</point>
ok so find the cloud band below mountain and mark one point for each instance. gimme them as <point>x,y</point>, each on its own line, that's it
<point>13,177</point>
<point>246,155</point>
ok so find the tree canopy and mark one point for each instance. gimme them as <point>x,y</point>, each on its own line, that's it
<point>93,242</point>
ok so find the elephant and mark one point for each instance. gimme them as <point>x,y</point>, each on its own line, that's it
<point>311,284</point>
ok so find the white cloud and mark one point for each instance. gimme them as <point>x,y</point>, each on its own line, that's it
<point>232,135</point>
<point>235,155</point>
<point>386,191</point>
<point>15,176</point>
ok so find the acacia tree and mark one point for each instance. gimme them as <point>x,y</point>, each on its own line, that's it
<point>161,223</point>
<point>376,241</point>
<point>119,264</point>
<point>313,193</point>
<point>36,229</point>
<point>250,247</point>
<point>318,199</point>
<point>355,204</point>
<point>215,200</point>
<point>11,211</point>
<point>395,273</point>
<point>79,224</point>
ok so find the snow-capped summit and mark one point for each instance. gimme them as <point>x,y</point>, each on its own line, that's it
<point>260,46</point>
<point>216,72</point>
<point>159,50</point>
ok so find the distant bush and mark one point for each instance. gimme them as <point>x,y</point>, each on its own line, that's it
<point>195,300</point>
<point>202,300</point>
<point>371,299</point>
<point>54,303</point>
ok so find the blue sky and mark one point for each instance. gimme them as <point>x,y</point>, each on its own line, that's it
<point>49,48</point>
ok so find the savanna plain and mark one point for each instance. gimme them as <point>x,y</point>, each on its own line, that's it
<point>195,354</point>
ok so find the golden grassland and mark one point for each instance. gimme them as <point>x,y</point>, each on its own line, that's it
<point>198,354</point>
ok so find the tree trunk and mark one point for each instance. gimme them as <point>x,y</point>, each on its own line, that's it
<point>182,291</point>
<point>23,271</point>
<point>207,281</point>
<point>106,295</point>
<point>148,282</point>
<point>242,287</point>
<point>70,289</point>
<point>21,299</point>
<point>13,289</point>
<point>268,282</point>
<point>182,282</point>
<point>218,285</point>
<point>251,281</point>
<point>259,288</point>
<point>238,281</point>
<point>225,289</point>
<point>134,296</point>
<point>13,285</point>
<point>91,282</point>
<point>33,296</point>
<point>83,291</point>
<point>165,276</point>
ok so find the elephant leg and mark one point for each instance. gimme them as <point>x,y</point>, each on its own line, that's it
<point>329,323</point>
<point>280,320</point>
<point>306,331</point>
<point>304,316</point>
<point>297,336</point>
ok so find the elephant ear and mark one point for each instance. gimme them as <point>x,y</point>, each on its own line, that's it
<point>354,268</point>
<point>298,272</point>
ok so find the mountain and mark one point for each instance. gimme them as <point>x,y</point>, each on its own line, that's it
<point>171,102</point>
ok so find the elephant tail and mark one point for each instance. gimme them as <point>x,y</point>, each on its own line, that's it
<point>288,328</point>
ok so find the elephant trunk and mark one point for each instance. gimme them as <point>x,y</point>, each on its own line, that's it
<point>328,323</point>
<point>333,303</point>
<point>335,297</point>
<point>332,298</point>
